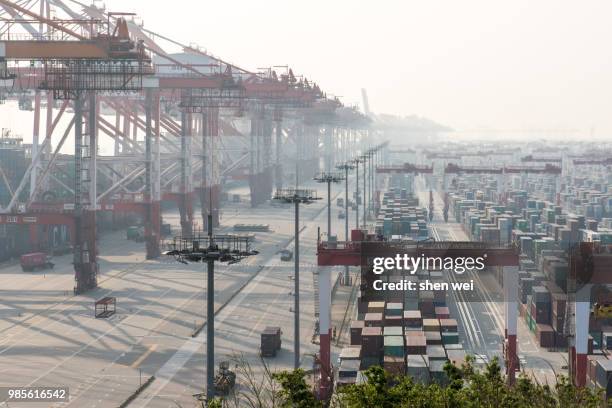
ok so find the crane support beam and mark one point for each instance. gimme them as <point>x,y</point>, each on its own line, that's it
<point>406,168</point>
<point>56,50</point>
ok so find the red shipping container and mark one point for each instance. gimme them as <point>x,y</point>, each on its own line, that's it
<point>357,235</point>
<point>448,325</point>
<point>416,345</point>
<point>371,341</point>
<point>546,335</point>
<point>394,365</point>
<point>427,308</point>
<point>412,318</point>
<point>395,321</point>
<point>442,312</point>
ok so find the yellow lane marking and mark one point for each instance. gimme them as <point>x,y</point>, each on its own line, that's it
<point>145,355</point>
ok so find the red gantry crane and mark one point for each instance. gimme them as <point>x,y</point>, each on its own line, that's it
<point>77,65</point>
<point>363,248</point>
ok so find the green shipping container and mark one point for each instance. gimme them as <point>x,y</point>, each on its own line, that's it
<point>394,346</point>
<point>436,369</point>
<point>132,233</point>
<point>367,362</point>
<point>450,338</point>
<point>394,309</point>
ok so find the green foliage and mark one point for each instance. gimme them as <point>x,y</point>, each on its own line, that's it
<point>294,390</point>
<point>468,387</point>
<point>215,403</point>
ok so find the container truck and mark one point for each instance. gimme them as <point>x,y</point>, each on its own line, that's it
<point>35,260</point>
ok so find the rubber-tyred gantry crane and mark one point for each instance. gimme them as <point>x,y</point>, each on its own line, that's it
<point>501,174</point>
<point>406,168</point>
<point>541,159</point>
<point>363,248</point>
<point>589,269</point>
<point>593,162</point>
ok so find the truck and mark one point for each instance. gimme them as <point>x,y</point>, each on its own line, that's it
<point>135,233</point>
<point>35,260</point>
<point>166,230</point>
<point>340,202</point>
<point>286,255</point>
<point>270,341</point>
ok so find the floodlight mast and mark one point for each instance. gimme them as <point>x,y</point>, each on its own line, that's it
<point>210,316</point>
<point>357,160</point>
<point>329,178</point>
<point>222,248</point>
<point>374,155</point>
<point>346,167</point>
<point>371,190</point>
<point>296,196</point>
<point>364,159</point>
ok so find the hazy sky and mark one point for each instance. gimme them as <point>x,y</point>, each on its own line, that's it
<point>468,64</point>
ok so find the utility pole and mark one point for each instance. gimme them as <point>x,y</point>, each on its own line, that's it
<point>297,197</point>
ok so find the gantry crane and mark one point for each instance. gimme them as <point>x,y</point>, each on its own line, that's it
<point>589,269</point>
<point>360,251</point>
<point>75,67</point>
<point>105,52</point>
<point>406,168</point>
<point>593,162</point>
<point>502,172</point>
<point>541,159</point>
<point>195,85</point>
